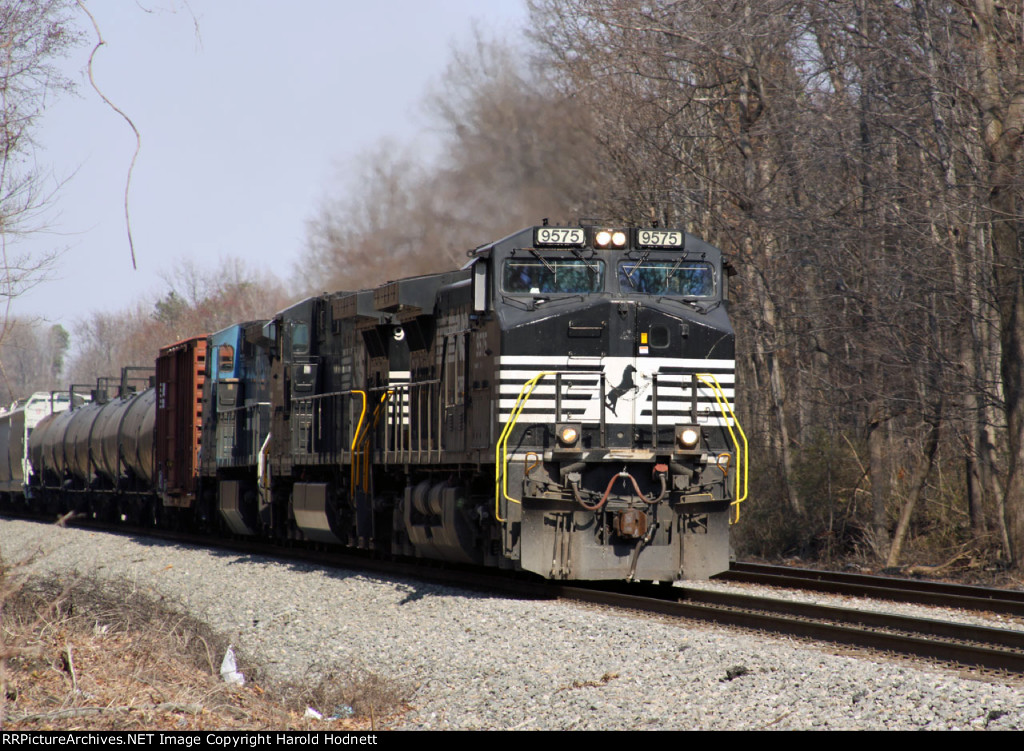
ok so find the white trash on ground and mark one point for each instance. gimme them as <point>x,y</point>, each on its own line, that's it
<point>229,669</point>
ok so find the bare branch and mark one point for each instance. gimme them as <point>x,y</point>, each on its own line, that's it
<point>138,138</point>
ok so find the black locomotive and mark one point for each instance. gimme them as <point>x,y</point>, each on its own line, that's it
<point>562,404</point>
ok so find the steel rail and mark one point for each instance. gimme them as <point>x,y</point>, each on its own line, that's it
<point>964,644</point>
<point>962,596</point>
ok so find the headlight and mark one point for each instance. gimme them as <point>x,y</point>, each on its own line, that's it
<point>610,238</point>
<point>687,436</point>
<point>568,435</point>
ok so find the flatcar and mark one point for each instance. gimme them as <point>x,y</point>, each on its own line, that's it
<point>562,404</point>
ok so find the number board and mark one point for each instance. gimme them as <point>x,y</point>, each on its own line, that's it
<point>659,238</point>
<point>560,236</point>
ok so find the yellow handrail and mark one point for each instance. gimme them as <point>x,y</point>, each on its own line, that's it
<point>500,455</point>
<point>741,454</point>
<point>360,443</point>
<point>359,425</point>
<point>355,442</point>
<point>377,412</point>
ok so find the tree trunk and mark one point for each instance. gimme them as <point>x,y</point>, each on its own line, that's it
<point>917,484</point>
<point>1001,100</point>
<point>879,478</point>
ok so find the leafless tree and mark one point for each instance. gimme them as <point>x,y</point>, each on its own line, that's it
<point>32,356</point>
<point>513,151</point>
<point>34,36</point>
<point>997,30</point>
<point>196,302</point>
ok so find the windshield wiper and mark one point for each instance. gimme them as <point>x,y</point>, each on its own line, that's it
<point>589,265</point>
<point>540,258</point>
<point>674,269</point>
<point>638,264</point>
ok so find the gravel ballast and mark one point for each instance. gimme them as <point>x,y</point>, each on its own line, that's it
<point>490,662</point>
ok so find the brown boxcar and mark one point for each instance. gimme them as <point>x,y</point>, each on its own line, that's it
<point>180,376</point>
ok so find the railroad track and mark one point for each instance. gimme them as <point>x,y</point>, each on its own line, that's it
<point>962,644</point>
<point>921,592</point>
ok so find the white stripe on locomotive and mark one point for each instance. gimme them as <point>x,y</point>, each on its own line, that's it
<point>580,400</point>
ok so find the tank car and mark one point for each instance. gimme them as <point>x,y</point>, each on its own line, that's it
<point>131,451</point>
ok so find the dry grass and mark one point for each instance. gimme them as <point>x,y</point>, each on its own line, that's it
<point>348,692</point>
<point>92,657</point>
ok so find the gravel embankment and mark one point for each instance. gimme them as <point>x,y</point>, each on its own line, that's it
<point>493,663</point>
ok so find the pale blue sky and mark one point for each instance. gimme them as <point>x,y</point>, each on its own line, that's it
<point>245,124</point>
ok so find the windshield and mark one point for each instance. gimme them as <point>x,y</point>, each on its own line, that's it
<point>656,277</point>
<point>536,275</point>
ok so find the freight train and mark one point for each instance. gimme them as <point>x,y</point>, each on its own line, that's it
<point>562,404</point>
